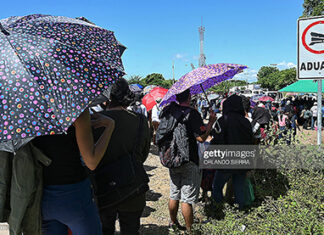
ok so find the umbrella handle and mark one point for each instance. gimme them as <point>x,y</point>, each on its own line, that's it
<point>217,127</point>
<point>205,95</point>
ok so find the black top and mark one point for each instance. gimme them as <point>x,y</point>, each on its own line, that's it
<point>195,129</point>
<point>124,136</point>
<point>66,166</point>
<point>236,129</point>
<point>121,143</point>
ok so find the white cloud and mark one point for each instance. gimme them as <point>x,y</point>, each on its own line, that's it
<point>179,56</point>
<point>249,75</point>
<point>285,65</point>
<point>195,57</point>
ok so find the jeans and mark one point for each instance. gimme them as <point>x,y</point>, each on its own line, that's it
<point>205,112</point>
<point>306,123</point>
<point>221,177</point>
<point>129,221</point>
<point>282,132</point>
<point>314,119</point>
<point>70,206</point>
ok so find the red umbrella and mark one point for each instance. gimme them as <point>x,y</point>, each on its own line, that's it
<point>266,98</point>
<point>149,100</point>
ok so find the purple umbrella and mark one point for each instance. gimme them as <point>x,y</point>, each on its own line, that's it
<point>201,79</point>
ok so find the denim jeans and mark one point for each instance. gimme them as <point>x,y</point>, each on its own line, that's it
<point>282,132</point>
<point>221,177</point>
<point>70,206</point>
<point>314,119</point>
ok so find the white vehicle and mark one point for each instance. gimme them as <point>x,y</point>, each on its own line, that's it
<point>274,94</point>
<point>250,93</point>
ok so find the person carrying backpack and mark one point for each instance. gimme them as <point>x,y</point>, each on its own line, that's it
<point>180,128</point>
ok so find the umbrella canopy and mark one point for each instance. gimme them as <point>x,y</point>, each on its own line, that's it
<point>257,97</point>
<point>51,68</point>
<point>266,98</point>
<point>149,100</point>
<point>147,89</point>
<point>121,47</point>
<point>302,86</point>
<point>201,79</point>
<point>136,88</point>
<point>213,96</point>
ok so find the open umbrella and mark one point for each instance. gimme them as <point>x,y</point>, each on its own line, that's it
<point>51,68</point>
<point>147,89</point>
<point>200,79</point>
<point>266,98</point>
<point>213,96</point>
<point>149,100</point>
<point>136,88</point>
<point>121,47</point>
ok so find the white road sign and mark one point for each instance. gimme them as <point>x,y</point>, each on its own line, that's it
<point>311,48</point>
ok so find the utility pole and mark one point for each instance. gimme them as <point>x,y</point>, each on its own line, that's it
<point>173,80</point>
<point>202,58</point>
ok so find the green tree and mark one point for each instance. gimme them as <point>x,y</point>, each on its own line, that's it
<point>226,85</point>
<point>284,78</point>
<point>274,79</point>
<point>135,79</point>
<point>263,76</point>
<point>158,80</point>
<point>313,8</point>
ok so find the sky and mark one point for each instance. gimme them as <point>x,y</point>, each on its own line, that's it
<point>158,33</point>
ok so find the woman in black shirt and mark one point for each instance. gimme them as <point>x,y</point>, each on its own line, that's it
<point>131,200</point>
<point>67,196</point>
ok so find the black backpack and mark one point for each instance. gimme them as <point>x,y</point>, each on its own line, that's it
<point>174,144</point>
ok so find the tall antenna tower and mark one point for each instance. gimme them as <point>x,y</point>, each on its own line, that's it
<point>202,58</point>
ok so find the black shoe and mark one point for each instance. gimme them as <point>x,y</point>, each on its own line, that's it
<point>176,226</point>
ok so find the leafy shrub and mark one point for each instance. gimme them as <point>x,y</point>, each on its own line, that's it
<point>289,200</point>
<point>299,211</point>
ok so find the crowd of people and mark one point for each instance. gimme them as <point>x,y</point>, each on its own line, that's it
<point>114,137</point>
<point>228,120</point>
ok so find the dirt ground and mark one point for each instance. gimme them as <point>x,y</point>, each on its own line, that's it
<point>155,218</point>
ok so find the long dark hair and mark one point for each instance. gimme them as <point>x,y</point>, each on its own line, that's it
<point>120,94</point>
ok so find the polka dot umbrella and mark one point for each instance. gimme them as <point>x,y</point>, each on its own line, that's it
<point>51,68</point>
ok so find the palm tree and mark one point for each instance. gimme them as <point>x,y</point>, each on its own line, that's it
<point>134,79</point>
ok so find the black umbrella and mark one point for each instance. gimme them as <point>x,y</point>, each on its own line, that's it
<point>121,47</point>
<point>51,68</point>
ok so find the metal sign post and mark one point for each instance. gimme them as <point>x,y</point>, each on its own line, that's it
<point>319,112</point>
<point>311,59</point>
